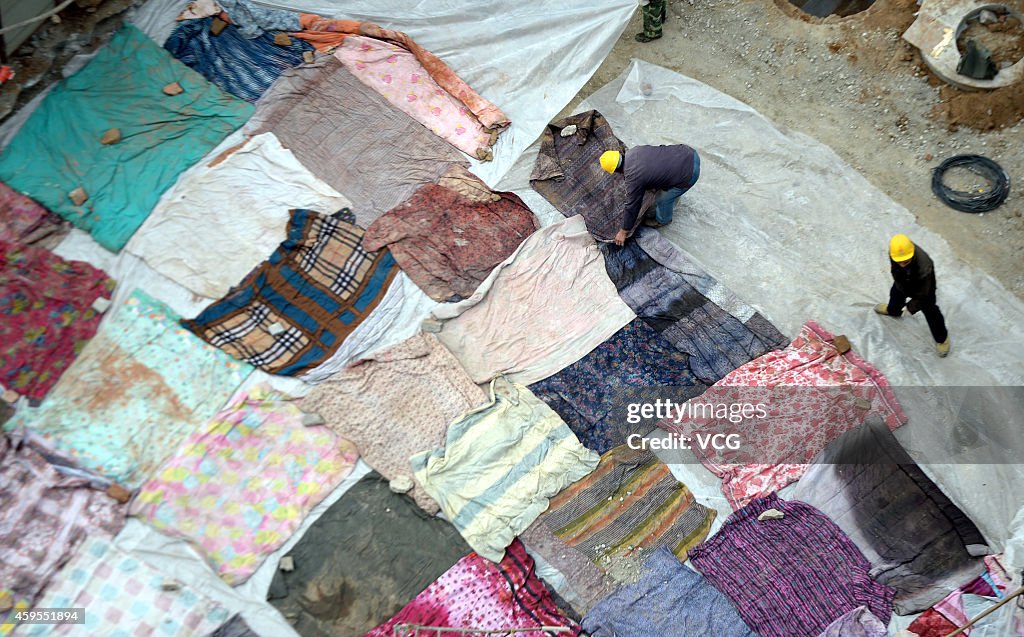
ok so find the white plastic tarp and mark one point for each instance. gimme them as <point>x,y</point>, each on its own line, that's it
<point>529,60</point>
<point>796,232</point>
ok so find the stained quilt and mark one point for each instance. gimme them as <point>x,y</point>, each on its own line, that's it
<point>364,559</point>
<point>349,136</point>
<point>23,221</point>
<point>448,242</point>
<point>44,517</point>
<point>238,488</point>
<point>58,150</point>
<point>917,540</point>
<point>476,593</point>
<point>46,315</point>
<point>294,310</point>
<point>137,390</point>
<point>813,394</point>
<point>789,577</point>
<point>567,173</point>
<point>633,365</point>
<point>687,306</point>
<point>125,597</point>
<point>500,464</point>
<point>244,67</point>
<point>541,309</point>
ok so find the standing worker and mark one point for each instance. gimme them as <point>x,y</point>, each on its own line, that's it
<point>671,169</point>
<point>654,13</point>
<point>914,278</point>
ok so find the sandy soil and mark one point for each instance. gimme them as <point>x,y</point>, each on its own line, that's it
<point>854,84</point>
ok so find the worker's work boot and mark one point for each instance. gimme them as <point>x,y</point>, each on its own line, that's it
<point>943,348</point>
<point>883,309</point>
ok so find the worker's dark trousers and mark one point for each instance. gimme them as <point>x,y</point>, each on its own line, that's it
<point>932,314</point>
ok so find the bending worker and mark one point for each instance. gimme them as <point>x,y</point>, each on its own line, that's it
<point>670,169</point>
<point>914,279</point>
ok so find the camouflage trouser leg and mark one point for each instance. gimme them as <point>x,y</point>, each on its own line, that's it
<point>652,13</point>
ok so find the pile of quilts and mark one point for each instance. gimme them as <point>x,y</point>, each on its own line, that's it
<point>383,396</point>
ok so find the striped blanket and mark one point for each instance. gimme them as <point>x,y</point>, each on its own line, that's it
<point>294,310</point>
<point>631,501</point>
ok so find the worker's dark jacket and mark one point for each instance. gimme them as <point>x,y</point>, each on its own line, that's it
<point>653,168</point>
<point>917,280</point>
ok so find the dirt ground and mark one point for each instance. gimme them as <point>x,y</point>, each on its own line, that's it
<point>854,84</point>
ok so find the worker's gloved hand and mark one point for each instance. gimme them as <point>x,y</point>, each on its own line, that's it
<point>914,306</point>
<point>620,237</point>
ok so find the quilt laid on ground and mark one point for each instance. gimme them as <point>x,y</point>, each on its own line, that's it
<point>44,516</point>
<point>568,174</point>
<point>477,593</point>
<point>541,309</point>
<point>239,488</point>
<point>244,67</point>
<point>397,403</point>
<point>917,540</point>
<point>137,390</point>
<point>500,465</point>
<point>859,622</point>
<point>58,150</point>
<point>629,505</point>
<point>351,137</point>
<point>294,310</point>
<point>222,219</point>
<point>125,597</point>
<point>46,315</point>
<point>23,221</point>
<point>687,306</point>
<point>448,242</point>
<point>810,394</point>
<point>669,600</point>
<point>789,577</point>
<point>394,72</point>
<point>364,559</point>
<point>631,366</point>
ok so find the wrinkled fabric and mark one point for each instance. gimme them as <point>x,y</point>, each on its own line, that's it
<point>680,301</point>
<point>44,517</point>
<point>448,243</point>
<point>500,464</point>
<point>585,581</point>
<point>291,313</point>
<point>915,538</point>
<point>251,19</point>
<point>630,504</point>
<point>58,149</point>
<point>46,315</point>
<point>540,310</point>
<point>859,622</point>
<point>351,137</point>
<point>790,577</point>
<point>568,174</point>
<point>239,488</point>
<point>242,66</point>
<point>364,559</point>
<point>396,74</point>
<point>140,386</point>
<point>951,613</point>
<point>238,223</point>
<point>327,34</point>
<point>123,595</point>
<point>475,593</point>
<point>633,365</point>
<point>236,627</point>
<point>813,395</point>
<point>669,600</point>
<point>396,403</point>
<point>23,221</point>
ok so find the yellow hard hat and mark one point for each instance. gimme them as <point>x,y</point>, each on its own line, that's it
<point>901,248</point>
<point>610,160</point>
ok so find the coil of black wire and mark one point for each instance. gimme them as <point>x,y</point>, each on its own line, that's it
<point>972,201</point>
